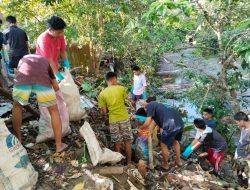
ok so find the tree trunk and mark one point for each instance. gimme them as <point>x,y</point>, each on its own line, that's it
<point>231,95</point>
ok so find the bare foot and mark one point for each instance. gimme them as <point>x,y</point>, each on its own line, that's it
<point>62,148</point>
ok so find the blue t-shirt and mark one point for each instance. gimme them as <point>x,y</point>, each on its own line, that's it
<point>166,118</point>
<point>210,123</point>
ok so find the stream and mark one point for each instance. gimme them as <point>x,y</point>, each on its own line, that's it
<point>171,69</point>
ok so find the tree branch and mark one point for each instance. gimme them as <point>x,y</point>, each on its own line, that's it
<point>205,14</point>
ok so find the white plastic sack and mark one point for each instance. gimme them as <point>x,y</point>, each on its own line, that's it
<point>45,127</point>
<point>16,171</point>
<point>140,104</point>
<point>72,97</point>
<point>110,156</point>
<point>98,155</point>
<point>94,148</point>
<point>101,182</point>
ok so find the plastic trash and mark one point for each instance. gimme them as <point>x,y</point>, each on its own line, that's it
<point>97,154</point>
<point>72,97</point>
<point>45,127</point>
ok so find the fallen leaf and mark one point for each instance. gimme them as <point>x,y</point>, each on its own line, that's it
<point>75,176</point>
<point>79,186</point>
<point>75,163</point>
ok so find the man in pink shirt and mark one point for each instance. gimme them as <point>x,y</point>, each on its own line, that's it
<point>51,44</point>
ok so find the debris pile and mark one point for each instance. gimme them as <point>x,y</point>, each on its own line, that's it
<point>82,165</point>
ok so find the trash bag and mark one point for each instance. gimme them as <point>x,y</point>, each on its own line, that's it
<point>72,97</point>
<point>141,146</point>
<point>45,127</point>
<point>16,171</point>
<point>100,182</point>
<point>97,154</point>
<point>140,104</point>
<point>110,156</point>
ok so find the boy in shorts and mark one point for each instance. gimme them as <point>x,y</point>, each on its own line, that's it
<point>215,145</point>
<point>34,74</point>
<point>242,153</point>
<point>170,124</point>
<point>139,85</point>
<point>112,101</point>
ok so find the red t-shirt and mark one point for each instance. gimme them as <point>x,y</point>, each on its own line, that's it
<point>50,47</point>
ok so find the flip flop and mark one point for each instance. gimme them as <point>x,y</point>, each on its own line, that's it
<point>63,148</point>
<point>160,168</point>
<point>179,165</point>
<point>173,164</point>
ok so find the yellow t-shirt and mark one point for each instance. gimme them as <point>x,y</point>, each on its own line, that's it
<point>113,98</point>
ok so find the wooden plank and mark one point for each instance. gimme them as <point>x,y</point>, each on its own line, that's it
<point>110,170</point>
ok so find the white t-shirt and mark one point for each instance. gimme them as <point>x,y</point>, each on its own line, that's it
<point>243,147</point>
<point>201,135</point>
<point>139,84</point>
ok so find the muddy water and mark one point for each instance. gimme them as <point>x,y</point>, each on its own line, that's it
<point>173,65</point>
<point>171,75</point>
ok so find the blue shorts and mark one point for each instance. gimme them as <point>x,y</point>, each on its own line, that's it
<point>168,139</point>
<point>135,98</point>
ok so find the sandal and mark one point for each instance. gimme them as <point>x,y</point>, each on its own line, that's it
<point>173,164</point>
<point>161,168</point>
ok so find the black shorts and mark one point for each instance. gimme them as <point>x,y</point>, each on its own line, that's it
<point>14,61</point>
<point>136,97</point>
<point>168,139</point>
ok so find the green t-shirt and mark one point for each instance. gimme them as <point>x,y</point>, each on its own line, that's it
<point>113,98</point>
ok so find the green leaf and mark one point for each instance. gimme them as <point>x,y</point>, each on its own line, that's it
<point>86,87</point>
<point>247,57</point>
<point>188,128</point>
<point>241,48</point>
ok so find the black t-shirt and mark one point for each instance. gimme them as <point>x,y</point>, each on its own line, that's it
<point>17,40</point>
<point>212,139</point>
<point>1,45</point>
<point>141,112</point>
<point>1,40</point>
<point>166,118</point>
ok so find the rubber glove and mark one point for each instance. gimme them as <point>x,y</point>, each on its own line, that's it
<point>167,105</point>
<point>59,76</point>
<point>132,89</point>
<point>141,118</point>
<point>66,63</point>
<point>144,95</point>
<point>188,151</point>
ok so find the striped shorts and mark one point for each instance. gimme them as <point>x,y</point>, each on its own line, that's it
<point>46,96</point>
